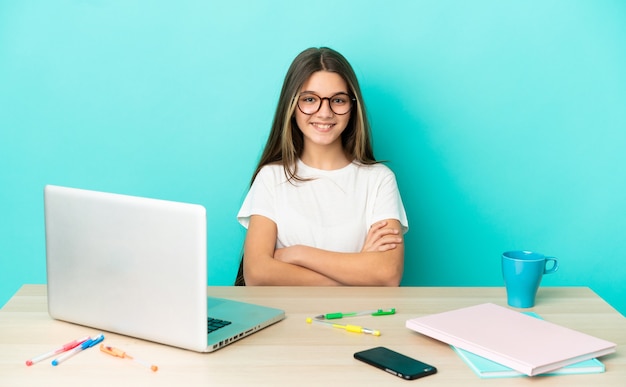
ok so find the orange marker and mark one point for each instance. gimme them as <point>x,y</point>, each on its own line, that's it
<point>119,353</point>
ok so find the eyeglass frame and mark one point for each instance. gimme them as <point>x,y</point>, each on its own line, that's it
<point>351,99</point>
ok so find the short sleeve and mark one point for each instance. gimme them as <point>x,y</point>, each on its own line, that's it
<point>261,198</point>
<point>388,203</point>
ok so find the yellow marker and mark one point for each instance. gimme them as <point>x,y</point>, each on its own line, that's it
<point>119,353</point>
<point>347,327</point>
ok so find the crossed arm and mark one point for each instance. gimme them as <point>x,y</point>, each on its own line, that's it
<point>379,263</point>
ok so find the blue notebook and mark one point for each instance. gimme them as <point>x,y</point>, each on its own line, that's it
<point>486,368</point>
<point>489,369</point>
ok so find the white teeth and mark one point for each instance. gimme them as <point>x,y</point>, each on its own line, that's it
<point>327,126</point>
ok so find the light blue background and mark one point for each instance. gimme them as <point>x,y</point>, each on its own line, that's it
<point>505,121</point>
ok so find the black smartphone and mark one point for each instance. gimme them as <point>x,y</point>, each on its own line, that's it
<point>395,363</point>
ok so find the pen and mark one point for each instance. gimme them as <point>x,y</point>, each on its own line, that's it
<point>347,327</point>
<point>66,347</point>
<point>119,353</point>
<point>86,344</point>
<point>376,312</point>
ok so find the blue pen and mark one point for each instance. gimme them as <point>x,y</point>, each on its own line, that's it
<point>87,344</point>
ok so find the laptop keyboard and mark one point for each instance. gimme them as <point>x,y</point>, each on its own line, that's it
<point>214,324</point>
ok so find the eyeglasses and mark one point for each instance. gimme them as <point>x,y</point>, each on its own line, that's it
<point>310,103</point>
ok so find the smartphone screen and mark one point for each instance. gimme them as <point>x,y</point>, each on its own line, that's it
<point>395,363</point>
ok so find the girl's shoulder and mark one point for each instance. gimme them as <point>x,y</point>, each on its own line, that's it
<point>275,166</point>
<point>271,170</point>
<point>273,173</point>
<point>376,168</point>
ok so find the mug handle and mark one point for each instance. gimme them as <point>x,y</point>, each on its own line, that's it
<point>555,265</point>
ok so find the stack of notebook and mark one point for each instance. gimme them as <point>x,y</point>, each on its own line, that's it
<point>499,342</point>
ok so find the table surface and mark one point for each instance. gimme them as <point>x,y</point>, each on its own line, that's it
<point>293,352</point>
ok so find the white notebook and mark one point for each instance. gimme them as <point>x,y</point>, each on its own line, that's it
<point>521,342</point>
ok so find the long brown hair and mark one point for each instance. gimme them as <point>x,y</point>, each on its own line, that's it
<point>285,142</point>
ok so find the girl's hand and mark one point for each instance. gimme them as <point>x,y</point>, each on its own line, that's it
<point>381,238</point>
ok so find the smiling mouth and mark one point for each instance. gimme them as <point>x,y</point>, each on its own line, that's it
<point>322,127</point>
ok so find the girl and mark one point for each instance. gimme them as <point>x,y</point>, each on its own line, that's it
<point>320,209</point>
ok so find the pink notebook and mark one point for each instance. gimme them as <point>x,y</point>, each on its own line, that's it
<point>521,342</point>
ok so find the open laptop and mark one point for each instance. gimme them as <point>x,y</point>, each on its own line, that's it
<point>138,267</point>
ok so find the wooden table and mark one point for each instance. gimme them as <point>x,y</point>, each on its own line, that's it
<point>292,352</point>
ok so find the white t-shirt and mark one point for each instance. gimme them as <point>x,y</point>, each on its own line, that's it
<point>332,212</point>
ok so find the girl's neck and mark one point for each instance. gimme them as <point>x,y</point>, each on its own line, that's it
<point>324,158</point>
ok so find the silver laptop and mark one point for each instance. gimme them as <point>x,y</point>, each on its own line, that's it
<point>138,267</point>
